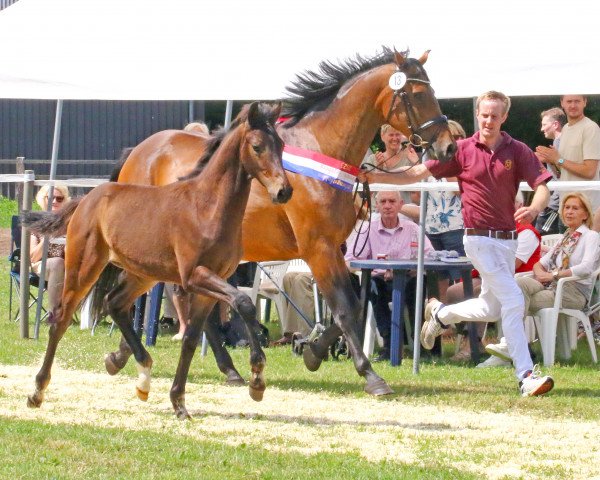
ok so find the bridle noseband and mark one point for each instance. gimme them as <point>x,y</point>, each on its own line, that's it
<point>415,137</point>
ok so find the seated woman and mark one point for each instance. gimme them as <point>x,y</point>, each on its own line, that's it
<point>575,254</point>
<point>55,263</point>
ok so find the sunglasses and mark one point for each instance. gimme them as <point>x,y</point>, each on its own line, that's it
<point>56,199</point>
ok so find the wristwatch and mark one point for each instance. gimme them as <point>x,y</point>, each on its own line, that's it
<point>555,274</point>
<point>561,161</point>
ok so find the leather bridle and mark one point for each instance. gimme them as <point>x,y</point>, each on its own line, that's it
<point>415,137</point>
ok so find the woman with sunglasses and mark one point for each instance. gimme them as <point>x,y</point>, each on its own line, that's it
<point>55,263</point>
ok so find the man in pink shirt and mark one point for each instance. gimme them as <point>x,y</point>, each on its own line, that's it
<point>392,236</point>
<point>489,166</point>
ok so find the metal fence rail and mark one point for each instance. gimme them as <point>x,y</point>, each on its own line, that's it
<point>66,169</point>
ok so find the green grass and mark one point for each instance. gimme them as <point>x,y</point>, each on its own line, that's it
<point>38,450</point>
<point>8,208</point>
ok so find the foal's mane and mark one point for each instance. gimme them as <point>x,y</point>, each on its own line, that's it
<point>216,139</point>
<point>316,90</point>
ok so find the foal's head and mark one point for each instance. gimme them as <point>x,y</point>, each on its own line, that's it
<point>261,150</point>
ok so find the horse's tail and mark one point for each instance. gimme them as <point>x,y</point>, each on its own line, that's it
<point>114,176</point>
<point>53,224</point>
<point>105,283</point>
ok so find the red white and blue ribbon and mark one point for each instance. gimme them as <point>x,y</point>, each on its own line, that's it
<point>313,164</point>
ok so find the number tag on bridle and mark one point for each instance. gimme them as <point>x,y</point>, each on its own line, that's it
<point>397,80</point>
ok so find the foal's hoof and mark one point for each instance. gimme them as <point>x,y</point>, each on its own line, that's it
<point>257,393</point>
<point>143,396</point>
<point>311,361</point>
<point>34,401</point>
<point>234,379</point>
<point>109,363</point>
<point>378,387</point>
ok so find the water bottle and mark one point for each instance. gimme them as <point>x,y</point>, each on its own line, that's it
<point>414,245</point>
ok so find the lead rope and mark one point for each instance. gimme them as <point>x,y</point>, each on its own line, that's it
<point>366,200</point>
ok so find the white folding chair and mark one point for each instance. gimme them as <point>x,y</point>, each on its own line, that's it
<point>550,321</point>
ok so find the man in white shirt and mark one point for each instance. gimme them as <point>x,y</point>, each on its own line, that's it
<point>578,154</point>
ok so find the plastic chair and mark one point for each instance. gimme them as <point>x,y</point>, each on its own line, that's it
<point>299,265</point>
<point>15,272</point>
<point>551,240</point>
<point>550,321</point>
<point>268,288</point>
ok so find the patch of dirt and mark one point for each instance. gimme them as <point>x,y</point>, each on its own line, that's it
<point>488,444</point>
<point>4,241</point>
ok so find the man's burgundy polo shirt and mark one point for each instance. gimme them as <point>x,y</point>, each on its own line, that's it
<point>489,182</point>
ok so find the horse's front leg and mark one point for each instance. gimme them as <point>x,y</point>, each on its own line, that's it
<point>119,302</point>
<point>205,282</point>
<point>332,278</point>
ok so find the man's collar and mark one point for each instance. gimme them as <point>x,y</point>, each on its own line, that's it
<point>506,139</point>
<point>397,227</point>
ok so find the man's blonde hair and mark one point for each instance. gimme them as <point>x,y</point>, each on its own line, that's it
<point>494,95</point>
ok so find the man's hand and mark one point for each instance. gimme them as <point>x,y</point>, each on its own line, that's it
<point>388,276</point>
<point>526,215</point>
<point>547,154</point>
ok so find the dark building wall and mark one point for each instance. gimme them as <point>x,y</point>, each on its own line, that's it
<point>90,130</point>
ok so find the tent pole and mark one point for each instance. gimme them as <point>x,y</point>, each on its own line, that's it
<point>420,287</point>
<point>228,112</point>
<point>190,111</point>
<point>42,284</point>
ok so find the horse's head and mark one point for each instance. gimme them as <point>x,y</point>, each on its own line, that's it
<point>262,149</point>
<point>410,106</point>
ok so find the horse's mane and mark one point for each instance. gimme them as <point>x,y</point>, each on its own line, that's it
<point>316,90</point>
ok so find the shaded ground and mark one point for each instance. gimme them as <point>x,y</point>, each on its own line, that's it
<point>488,444</point>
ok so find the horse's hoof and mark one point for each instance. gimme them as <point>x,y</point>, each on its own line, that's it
<point>182,414</point>
<point>256,394</point>
<point>34,401</point>
<point>378,387</point>
<point>109,364</point>
<point>311,361</point>
<point>143,396</point>
<point>234,379</point>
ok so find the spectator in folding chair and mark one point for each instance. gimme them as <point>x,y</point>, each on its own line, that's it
<point>55,263</point>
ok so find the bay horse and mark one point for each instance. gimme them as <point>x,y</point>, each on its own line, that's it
<point>188,233</point>
<point>337,112</point>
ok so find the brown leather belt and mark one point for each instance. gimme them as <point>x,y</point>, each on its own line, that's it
<point>498,234</point>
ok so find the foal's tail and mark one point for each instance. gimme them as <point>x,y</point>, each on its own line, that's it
<point>114,176</point>
<point>109,276</point>
<point>53,224</point>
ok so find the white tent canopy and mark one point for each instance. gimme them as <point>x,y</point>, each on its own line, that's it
<point>236,49</point>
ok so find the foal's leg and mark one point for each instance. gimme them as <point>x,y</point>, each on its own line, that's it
<point>205,282</point>
<point>119,302</point>
<point>83,267</point>
<point>222,357</point>
<point>331,276</point>
<point>201,306</point>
